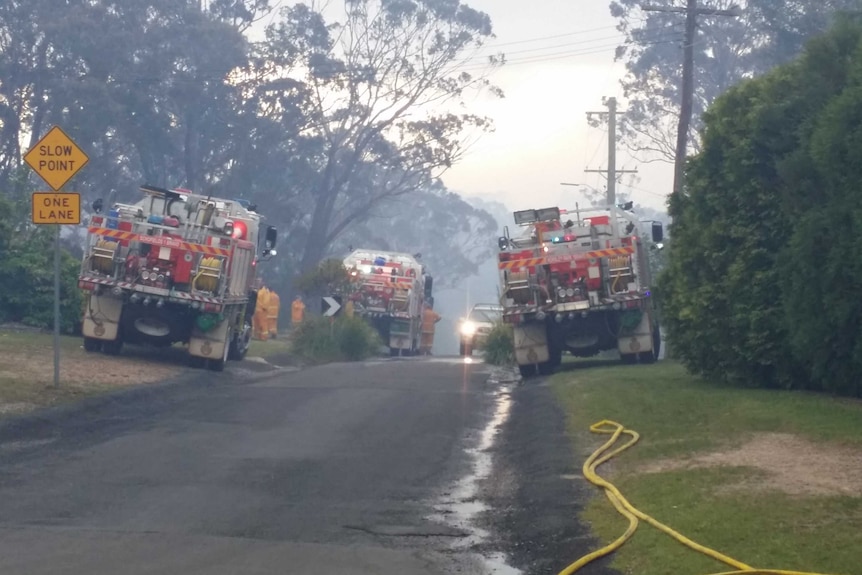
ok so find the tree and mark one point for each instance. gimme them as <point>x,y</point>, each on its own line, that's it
<point>760,289</point>
<point>379,86</point>
<point>453,237</point>
<point>727,50</point>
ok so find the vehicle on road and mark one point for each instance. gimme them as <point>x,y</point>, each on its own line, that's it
<point>173,267</point>
<point>578,284</point>
<point>390,290</point>
<point>473,330</point>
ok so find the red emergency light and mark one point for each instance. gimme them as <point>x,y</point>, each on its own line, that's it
<point>240,230</point>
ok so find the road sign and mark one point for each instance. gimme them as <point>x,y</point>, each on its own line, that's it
<point>56,208</point>
<point>330,305</point>
<point>56,158</point>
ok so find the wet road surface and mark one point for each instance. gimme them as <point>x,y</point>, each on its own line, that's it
<point>348,468</point>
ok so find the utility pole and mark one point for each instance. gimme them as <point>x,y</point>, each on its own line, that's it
<point>612,171</point>
<point>692,11</point>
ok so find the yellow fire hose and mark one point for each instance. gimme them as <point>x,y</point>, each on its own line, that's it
<point>630,512</point>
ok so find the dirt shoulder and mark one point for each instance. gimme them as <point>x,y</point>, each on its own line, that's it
<point>27,369</point>
<point>534,494</point>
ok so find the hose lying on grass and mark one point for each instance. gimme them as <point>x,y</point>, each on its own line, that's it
<point>630,512</point>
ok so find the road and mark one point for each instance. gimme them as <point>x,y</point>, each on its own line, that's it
<point>349,468</point>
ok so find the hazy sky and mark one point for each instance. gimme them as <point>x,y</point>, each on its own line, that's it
<point>561,66</point>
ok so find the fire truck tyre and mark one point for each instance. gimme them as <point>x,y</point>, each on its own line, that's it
<point>113,347</point>
<point>556,357</point>
<point>546,367</point>
<point>91,344</point>
<point>629,358</point>
<point>528,370</point>
<point>647,357</point>
<point>462,349</point>
<point>239,345</point>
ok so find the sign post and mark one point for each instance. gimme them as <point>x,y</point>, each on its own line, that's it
<point>56,158</point>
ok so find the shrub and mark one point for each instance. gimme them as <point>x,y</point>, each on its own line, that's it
<point>499,347</point>
<point>322,340</point>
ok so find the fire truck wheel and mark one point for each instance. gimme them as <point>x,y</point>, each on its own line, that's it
<point>113,347</point>
<point>239,345</point>
<point>462,349</point>
<point>546,367</point>
<point>629,358</point>
<point>527,370</point>
<point>647,357</point>
<point>91,344</point>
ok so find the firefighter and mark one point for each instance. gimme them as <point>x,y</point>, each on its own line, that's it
<point>429,319</point>
<point>297,311</point>
<point>272,315</point>
<point>258,321</point>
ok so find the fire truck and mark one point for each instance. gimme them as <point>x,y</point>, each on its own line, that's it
<point>390,290</point>
<point>175,267</point>
<point>578,281</point>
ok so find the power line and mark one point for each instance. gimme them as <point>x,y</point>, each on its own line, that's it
<point>468,65</point>
<point>554,37</point>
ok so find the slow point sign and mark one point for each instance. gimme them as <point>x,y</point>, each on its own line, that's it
<point>56,208</point>
<point>56,158</point>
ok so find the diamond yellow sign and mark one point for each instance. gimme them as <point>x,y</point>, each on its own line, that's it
<point>56,158</point>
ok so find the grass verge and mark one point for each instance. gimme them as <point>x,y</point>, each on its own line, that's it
<point>689,470</point>
<point>27,370</point>
<point>270,348</point>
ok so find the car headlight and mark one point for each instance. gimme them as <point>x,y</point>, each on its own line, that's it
<point>468,328</point>
<point>570,292</point>
<point>561,292</point>
<point>145,275</point>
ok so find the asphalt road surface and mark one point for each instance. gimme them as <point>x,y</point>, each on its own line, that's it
<point>335,469</point>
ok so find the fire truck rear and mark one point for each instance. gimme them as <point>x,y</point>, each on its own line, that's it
<point>173,267</point>
<point>578,285</point>
<point>390,290</point>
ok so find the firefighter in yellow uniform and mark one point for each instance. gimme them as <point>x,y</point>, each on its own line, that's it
<point>272,314</point>
<point>259,327</point>
<point>297,311</point>
<point>429,319</point>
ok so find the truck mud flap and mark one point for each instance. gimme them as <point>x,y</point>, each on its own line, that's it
<point>102,317</point>
<point>209,344</point>
<point>531,344</point>
<point>639,339</point>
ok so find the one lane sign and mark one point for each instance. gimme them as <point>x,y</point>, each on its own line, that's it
<point>330,305</point>
<point>56,208</point>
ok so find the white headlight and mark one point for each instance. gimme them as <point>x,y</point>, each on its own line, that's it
<point>468,328</point>
<point>570,292</point>
<point>145,274</point>
<point>561,292</point>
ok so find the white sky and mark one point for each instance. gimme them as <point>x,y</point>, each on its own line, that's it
<point>542,137</point>
<point>561,65</point>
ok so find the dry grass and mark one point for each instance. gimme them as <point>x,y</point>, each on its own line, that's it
<point>789,463</point>
<point>27,370</point>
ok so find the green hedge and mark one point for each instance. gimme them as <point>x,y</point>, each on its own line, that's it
<point>762,284</point>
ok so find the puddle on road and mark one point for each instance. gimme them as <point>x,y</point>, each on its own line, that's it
<point>462,506</point>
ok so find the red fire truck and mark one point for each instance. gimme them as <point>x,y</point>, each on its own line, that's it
<point>390,291</point>
<point>173,267</point>
<point>579,283</point>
